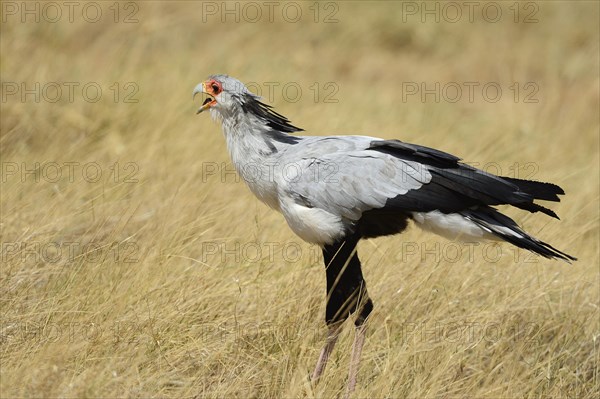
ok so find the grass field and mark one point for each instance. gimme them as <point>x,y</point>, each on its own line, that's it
<point>136,264</point>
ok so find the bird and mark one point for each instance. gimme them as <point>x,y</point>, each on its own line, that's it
<point>336,190</point>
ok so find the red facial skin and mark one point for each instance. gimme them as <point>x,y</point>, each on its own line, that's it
<point>213,87</point>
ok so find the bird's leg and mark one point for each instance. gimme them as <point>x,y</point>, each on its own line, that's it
<point>359,340</point>
<point>332,336</point>
<point>364,308</point>
<point>346,294</point>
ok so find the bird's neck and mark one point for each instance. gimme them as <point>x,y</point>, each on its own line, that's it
<point>255,132</point>
<point>251,142</point>
<point>254,148</point>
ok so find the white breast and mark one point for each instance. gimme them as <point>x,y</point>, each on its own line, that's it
<point>313,225</point>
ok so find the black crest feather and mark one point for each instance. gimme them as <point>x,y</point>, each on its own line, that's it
<point>265,112</point>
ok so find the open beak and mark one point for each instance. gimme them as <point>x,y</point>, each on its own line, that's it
<point>208,102</point>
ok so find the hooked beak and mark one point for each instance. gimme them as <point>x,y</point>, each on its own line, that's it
<point>208,102</point>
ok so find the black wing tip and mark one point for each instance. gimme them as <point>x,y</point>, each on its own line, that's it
<point>538,189</point>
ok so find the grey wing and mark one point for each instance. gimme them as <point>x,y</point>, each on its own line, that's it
<point>366,173</point>
<point>349,183</point>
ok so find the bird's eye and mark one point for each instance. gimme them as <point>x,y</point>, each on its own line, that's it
<point>216,88</point>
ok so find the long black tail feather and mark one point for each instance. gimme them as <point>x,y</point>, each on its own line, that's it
<point>507,229</point>
<point>533,207</point>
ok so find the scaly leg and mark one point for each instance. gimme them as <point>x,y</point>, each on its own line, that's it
<point>332,337</point>
<point>359,340</point>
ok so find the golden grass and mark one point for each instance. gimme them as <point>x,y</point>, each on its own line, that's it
<point>163,281</point>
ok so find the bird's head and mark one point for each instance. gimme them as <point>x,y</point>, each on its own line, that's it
<point>227,97</point>
<point>222,94</point>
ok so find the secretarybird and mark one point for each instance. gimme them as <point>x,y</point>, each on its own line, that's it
<point>335,190</point>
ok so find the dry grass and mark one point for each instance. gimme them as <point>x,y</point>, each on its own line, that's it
<point>114,288</point>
